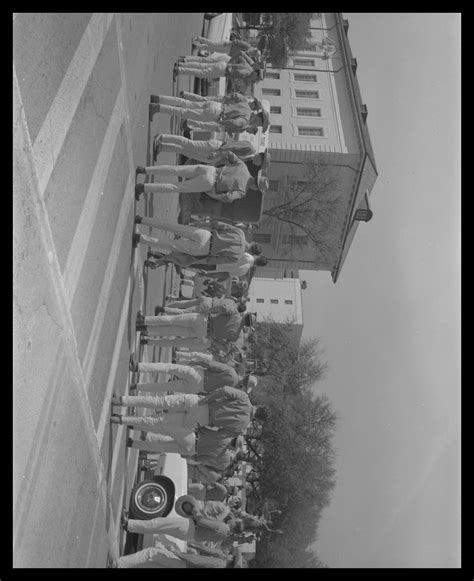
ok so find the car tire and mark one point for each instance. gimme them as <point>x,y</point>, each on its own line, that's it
<point>152,498</point>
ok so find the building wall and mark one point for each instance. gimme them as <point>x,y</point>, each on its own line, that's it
<point>286,246</point>
<point>339,148</point>
<point>279,300</point>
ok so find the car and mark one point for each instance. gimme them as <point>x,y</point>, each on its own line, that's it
<point>154,495</point>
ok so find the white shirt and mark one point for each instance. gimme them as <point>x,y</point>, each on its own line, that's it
<point>238,268</point>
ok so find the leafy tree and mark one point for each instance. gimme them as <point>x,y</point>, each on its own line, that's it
<point>283,33</point>
<point>291,452</point>
<point>296,366</point>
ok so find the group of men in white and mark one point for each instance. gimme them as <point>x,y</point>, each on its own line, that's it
<point>204,411</point>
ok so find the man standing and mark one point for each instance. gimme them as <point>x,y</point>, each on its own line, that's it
<point>214,448</point>
<point>220,329</point>
<point>208,243</point>
<point>231,47</point>
<point>234,114</point>
<point>241,66</point>
<point>189,380</point>
<point>226,408</point>
<point>239,268</point>
<point>161,557</point>
<point>203,305</point>
<point>224,183</point>
<point>206,151</point>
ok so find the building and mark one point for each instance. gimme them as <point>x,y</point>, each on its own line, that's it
<point>279,300</point>
<point>318,116</point>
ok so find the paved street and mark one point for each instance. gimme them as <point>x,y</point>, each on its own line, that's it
<point>81,90</point>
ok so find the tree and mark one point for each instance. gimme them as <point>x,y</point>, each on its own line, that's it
<point>292,451</point>
<point>293,456</point>
<point>282,33</point>
<point>311,207</point>
<point>295,366</point>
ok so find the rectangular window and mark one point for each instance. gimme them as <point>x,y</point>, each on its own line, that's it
<point>261,238</point>
<point>302,94</point>
<point>275,109</point>
<point>260,300</point>
<point>302,78</point>
<point>274,301</point>
<point>301,62</point>
<point>276,129</point>
<point>288,302</point>
<point>273,184</point>
<point>269,91</point>
<point>311,131</point>
<point>308,112</point>
<point>295,239</point>
<point>271,75</point>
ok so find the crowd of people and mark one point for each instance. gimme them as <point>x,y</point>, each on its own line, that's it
<point>204,410</point>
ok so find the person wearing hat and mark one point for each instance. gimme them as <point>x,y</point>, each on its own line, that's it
<point>199,246</point>
<point>209,151</point>
<point>193,526</point>
<point>226,408</point>
<point>233,114</point>
<point>232,122</point>
<point>211,331</point>
<point>239,268</point>
<point>217,374</point>
<point>243,265</point>
<point>254,103</point>
<point>211,243</point>
<point>224,183</point>
<point>187,379</point>
<point>217,491</point>
<point>204,305</point>
<point>230,47</point>
<point>239,66</point>
<point>213,449</point>
<point>161,557</point>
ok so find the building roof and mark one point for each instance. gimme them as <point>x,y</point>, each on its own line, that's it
<point>369,166</point>
<point>361,107</point>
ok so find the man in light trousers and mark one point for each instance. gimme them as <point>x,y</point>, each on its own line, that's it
<point>225,183</point>
<point>182,416</point>
<point>233,114</point>
<point>189,379</point>
<point>206,151</point>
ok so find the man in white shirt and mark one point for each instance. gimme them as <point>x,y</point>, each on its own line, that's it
<point>242,266</point>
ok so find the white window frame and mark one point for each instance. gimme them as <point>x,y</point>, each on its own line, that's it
<point>306,74</point>
<point>296,132</point>
<point>275,113</point>
<point>298,127</point>
<point>275,132</point>
<point>312,60</point>
<point>271,94</point>
<point>296,114</point>
<point>295,96</point>
<point>268,71</point>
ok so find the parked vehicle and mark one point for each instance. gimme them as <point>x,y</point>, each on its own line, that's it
<point>154,495</point>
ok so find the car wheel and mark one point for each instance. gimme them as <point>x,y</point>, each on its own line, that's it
<point>152,498</point>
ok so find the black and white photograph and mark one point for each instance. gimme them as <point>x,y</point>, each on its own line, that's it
<point>237,290</point>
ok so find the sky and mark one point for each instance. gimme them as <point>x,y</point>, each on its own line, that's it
<point>390,326</point>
